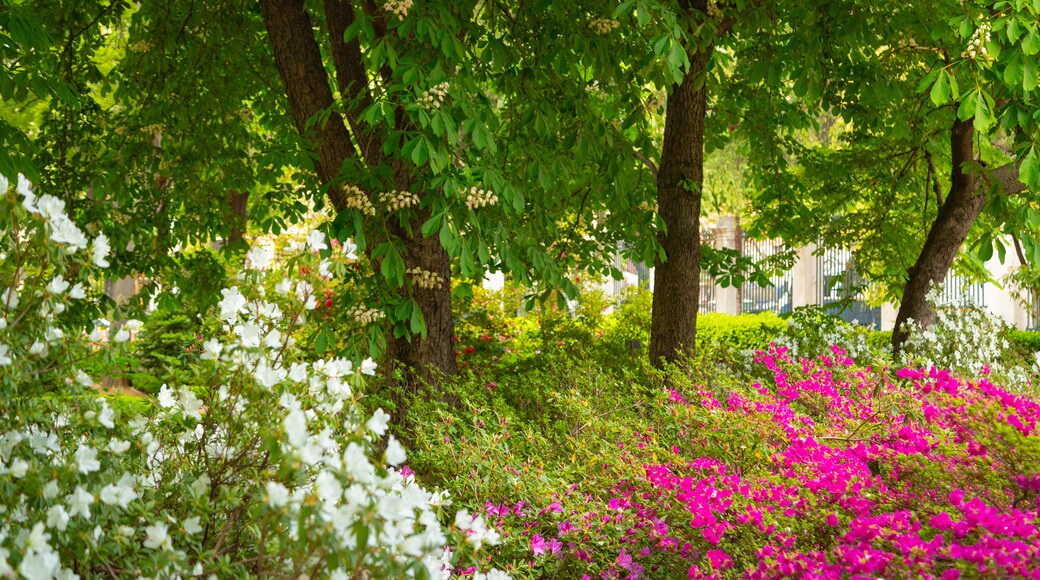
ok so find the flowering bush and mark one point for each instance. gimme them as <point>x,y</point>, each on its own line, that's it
<point>969,341</point>
<point>262,465</point>
<point>826,469</point>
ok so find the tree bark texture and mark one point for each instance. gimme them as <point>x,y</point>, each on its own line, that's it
<point>958,212</point>
<point>299,62</point>
<point>673,324</point>
<point>963,205</point>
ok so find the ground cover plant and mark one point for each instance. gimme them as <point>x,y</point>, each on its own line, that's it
<point>822,466</point>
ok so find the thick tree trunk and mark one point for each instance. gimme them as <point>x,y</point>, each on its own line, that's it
<point>299,62</point>
<point>298,58</point>
<point>960,210</point>
<point>431,358</point>
<point>673,324</point>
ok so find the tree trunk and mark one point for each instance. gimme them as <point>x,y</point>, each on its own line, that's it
<point>431,358</point>
<point>299,62</point>
<point>960,210</point>
<point>298,58</point>
<point>673,324</point>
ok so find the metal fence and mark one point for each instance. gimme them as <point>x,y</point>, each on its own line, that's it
<point>775,298</point>
<point>961,291</point>
<point>840,288</point>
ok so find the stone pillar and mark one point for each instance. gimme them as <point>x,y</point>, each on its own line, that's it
<point>805,278</point>
<point>1000,300</point>
<point>888,316</point>
<point>728,235</point>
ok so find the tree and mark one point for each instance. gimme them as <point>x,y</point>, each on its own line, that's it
<point>437,133</point>
<point>934,93</point>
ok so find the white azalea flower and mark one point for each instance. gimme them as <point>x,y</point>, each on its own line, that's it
<point>100,251</point>
<point>118,446</point>
<point>277,494</point>
<point>211,349</point>
<point>295,425</point>
<point>57,286</point>
<point>394,454</point>
<point>284,287</point>
<point>232,304</point>
<point>378,422</point>
<point>107,416</point>
<point>167,397</point>
<point>133,325</point>
<point>83,378</point>
<point>79,502</point>
<point>191,526</point>
<point>316,241</point>
<point>9,299</point>
<point>259,258</point>
<point>368,367</point>
<point>158,537</point>
<point>350,249</point>
<point>5,357</point>
<point>57,518</point>
<point>86,459</point>
<point>77,292</point>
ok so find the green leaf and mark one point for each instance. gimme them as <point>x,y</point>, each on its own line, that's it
<point>1031,43</point>
<point>431,225</point>
<point>985,251</point>
<point>418,326</point>
<point>392,267</point>
<point>1013,31</point>
<point>968,105</point>
<point>321,341</point>
<point>1030,74</point>
<point>1029,170</point>
<point>941,93</point>
<point>983,114</point>
<point>1013,69</point>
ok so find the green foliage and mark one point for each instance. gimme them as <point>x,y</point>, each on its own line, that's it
<point>738,333</point>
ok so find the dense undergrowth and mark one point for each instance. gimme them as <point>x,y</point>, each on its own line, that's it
<point>590,463</point>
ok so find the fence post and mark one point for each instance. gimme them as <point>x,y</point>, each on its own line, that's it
<point>805,278</point>
<point>728,235</point>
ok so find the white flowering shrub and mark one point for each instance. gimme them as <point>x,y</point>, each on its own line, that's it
<point>262,466</point>
<point>812,331</point>
<point>967,340</point>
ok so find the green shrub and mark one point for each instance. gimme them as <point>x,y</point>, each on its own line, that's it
<point>738,332</point>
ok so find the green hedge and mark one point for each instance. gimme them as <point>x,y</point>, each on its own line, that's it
<point>738,332</point>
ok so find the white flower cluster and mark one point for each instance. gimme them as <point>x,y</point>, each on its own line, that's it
<point>21,305</point>
<point>603,25</point>
<point>713,9</point>
<point>964,339</point>
<point>398,200</point>
<point>435,96</point>
<point>425,278</point>
<point>62,230</point>
<point>398,8</point>
<point>477,197</point>
<point>364,315</point>
<point>356,199</point>
<point>211,458</point>
<point>977,43</point>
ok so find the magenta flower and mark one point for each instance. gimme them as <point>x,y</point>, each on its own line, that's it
<point>537,545</point>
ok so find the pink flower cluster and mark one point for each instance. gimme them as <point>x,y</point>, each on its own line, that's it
<point>837,471</point>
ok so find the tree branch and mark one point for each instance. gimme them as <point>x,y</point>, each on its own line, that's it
<point>647,161</point>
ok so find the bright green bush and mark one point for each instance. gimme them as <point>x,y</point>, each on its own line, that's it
<point>738,332</point>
